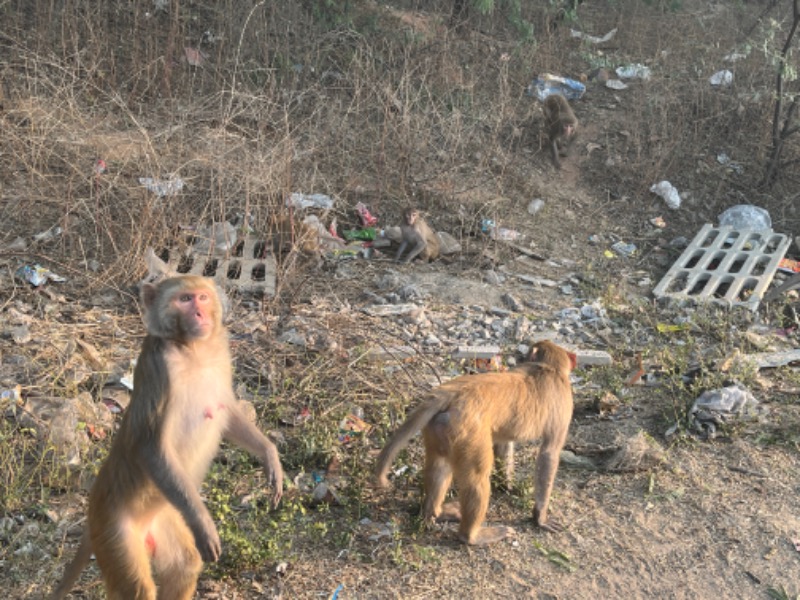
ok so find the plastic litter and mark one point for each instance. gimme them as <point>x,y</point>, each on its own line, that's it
<point>499,233</point>
<point>162,187</point>
<point>635,71</point>
<point>616,84</point>
<point>366,234</point>
<point>535,205</point>
<point>715,408</point>
<point>298,200</point>
<point>722,78</point>
<point>725,160</point>
<point>546,84</point>
<point>668,192</point>
<point>624,249</point>
<point>37,275</point>
<point>593,39</point>
<point>745,216</point>
<point>367,219</point>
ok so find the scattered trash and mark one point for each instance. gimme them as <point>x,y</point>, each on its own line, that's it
<point>217,238</point>
<point>745,217</point>
<point>535,205</point>
<point>736,55</point>
<point>715,408</point>
<point>546,84</point>
<point>722,78</point>
<point>616,84</point>
<point>37,275</point>
<point>624,249</point>
<point>591,38</point>
<point>789,265</point>
<point>367,219</point>
<point>47,234</point>
<point>447,243</point>
<point>162,187</point>
<point>298,200</point>
<point>366,234</point>
<point>635,71</point>
<point>328,238</point>
<point>499,233</point>
<point>352,427</point>
<point>725,160</point>
<point>325,494</point>
<point>335,595</point>
<point>672,327</point>
<point>668,192</point>
<point>11,395</point>
<point>658,222</point>
<point>99,166</point>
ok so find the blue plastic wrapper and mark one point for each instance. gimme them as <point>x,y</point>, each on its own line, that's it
<point>547,84</point>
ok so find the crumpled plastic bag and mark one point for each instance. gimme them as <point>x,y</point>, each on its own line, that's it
<point>715,408</point>
<point>745,216</point>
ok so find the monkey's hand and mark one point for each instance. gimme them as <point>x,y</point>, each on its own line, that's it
<point>206,538</point>
<point>274,472</point>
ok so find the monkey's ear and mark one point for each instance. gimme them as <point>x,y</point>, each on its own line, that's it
<point>148,295</point>
<point>573,360</point>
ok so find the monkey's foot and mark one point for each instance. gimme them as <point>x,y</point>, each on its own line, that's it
<point>541,520</point>
<point>450,512</point>
<point>488,535</point>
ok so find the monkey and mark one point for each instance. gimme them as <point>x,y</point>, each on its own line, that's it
<point>422,240</point>
<point>561,125</point>
<point>293,234</point>
<point>146,516</point>
<point>462,419</point>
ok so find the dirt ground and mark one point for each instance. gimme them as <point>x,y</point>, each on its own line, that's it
<point>341,112</point>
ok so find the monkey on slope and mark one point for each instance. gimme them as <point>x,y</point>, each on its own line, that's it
<point>560,124</point>
<point>146,520</point>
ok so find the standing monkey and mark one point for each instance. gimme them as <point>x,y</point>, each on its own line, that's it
<point>462,420</point>
<point>422,239</point>
<point>561,125</point>
<point>145,510</point>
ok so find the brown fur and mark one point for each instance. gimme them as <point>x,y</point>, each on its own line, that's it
<point>561,125</point>
<point>462,420</point>
<point>145,511</point>
<point>418,238</point>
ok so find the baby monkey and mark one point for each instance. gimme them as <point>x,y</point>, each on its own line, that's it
<point>561,125</point>
<point>421,239</point>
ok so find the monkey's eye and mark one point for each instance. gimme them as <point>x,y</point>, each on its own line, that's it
<point>185,298</point>
<point>202,297</point>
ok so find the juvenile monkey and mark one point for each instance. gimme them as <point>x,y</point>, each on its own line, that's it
<point>561,125</point>
<point>145,511</point>
<point>421,239</point>
<point>462,420</point>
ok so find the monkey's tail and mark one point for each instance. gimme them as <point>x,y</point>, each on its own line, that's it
<point>75,568</point>
<point>418,418</point>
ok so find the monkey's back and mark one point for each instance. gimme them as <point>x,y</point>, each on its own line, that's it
<point>514,405</point>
